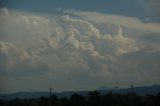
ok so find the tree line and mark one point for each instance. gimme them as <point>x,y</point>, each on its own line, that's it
<point>93,98</point>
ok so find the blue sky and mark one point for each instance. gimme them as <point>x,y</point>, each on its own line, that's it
<point>78,44</point>
<point>134,8</point>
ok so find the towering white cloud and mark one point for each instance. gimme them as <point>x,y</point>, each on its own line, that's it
<point>12,57</point>
<point>13,54</point>
<point>97,47</point>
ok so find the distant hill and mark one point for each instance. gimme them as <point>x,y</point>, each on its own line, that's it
<point>143,90</point>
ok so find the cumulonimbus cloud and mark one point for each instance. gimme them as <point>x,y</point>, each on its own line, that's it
<point>74,47</point>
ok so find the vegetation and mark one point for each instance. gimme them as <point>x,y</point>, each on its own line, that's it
<point>93,99</point>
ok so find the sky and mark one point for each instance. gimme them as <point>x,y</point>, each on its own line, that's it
<point>76,45</point>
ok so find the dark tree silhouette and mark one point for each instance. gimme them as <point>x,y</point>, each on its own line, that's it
<point>2,103</point>
<point>93,99</point>
<point>157,100</point>
<point>77,100</point>
<point>65,101</point>
<point>55,101</point>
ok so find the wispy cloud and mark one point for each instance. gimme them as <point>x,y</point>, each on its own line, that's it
<point>129,22</point>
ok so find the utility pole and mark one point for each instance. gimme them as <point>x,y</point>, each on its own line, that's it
<point>132,94</point>
<point>50,97</point>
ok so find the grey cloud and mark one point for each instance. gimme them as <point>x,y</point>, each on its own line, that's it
<point>18,62</point>
<point>142,65</point>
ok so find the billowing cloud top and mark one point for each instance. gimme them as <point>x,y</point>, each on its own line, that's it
<point>76,50</point>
